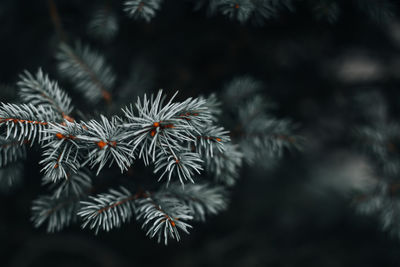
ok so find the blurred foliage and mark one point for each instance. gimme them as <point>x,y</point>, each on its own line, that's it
<point>297,214</point>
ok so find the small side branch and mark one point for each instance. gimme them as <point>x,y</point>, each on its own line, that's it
<point>55,19</point>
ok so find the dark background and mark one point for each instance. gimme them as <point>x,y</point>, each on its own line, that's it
<point>297,214</point>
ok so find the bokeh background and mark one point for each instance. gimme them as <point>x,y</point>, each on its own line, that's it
<point>299,213</point>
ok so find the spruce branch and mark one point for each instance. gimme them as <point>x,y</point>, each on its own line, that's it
<point>225,165</point>
<point>261,134</point>
<point>212,139</point>
<point>108,210</point>
<point>178,138</point>
<point>11,151</point>
<point>257,11</point>
<point>202,199</point>
<point>40,90</point>
<point>328,10</point>
<point>213,106</point>
<point>379,11</point>
<point>56,20</point>
<point>57,213</point>
<point>382,202</point>
<point>379,139</point>
<point>103,24</point>
<point>195,112</point>
<point>157,125</point>
<point>183,164</point>
<point>142,9</point>
<point>11,175</point>
<point>12,155</point>
<point>88,71</point>
<point>61,156</point>
<point>240,10</point>
<point>161,133</point>
<point>141,77</point>
<point>25,122</point>
<point>380,142</point>
<point>162,216</point>
<point>240,88</point>
<point>75,184</point>
<point>106,142</point>
<point>60,163</point>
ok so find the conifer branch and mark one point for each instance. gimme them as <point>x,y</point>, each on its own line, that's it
<point>88,70</point>
<point>25,122</point>
<point>212,139</point>
<point>11,175</point>
<point>103,24</point>
<point>107,211</point>
<point>182,164</point>
<point>61,155</point>
<point>225,165</point>
<point>56,212</point>
<point>40,90</point>
<point>11,151</point>
<point>76,184</point>
<point>55,19</point>
<point>202,199</point>
<point>162,216</point>
<point>142,9</point>
<point>257,11</point>
<point>179,139</point>
<point>106,142</point>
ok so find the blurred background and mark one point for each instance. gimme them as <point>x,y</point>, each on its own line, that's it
<point>299,213</point>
